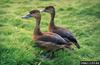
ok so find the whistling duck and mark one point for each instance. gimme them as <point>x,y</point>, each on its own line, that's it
<point>64,33</point>
<point>48,40</point>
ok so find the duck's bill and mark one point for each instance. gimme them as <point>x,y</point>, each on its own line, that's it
<point>27,16</point>
<point>42,10</point>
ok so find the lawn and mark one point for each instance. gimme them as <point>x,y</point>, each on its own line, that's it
<point>82,17</point>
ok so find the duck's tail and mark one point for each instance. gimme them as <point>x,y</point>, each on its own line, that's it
<point>76,43</point>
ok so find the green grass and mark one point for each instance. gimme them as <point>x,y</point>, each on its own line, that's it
<point>82,17</point>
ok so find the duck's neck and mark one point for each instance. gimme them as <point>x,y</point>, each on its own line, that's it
<point>37,30</point>
<point>52,24</point>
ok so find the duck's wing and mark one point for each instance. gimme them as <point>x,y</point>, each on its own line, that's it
<point>67,35</point>
<point>48,45</point>
<point>54,38</point>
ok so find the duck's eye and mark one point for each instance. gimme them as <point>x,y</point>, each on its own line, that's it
<point>47,8</point>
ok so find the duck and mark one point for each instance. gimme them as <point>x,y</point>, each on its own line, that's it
<point>48,41</point>
<point>63,32</point>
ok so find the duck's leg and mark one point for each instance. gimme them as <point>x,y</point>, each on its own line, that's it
<point>44,54</point>
<point>52,55</point>
<point>48,54</point>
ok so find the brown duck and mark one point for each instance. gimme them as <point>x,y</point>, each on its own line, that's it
<point>47,40</point>
<point>63,32</point>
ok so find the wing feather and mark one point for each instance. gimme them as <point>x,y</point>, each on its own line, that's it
<point>54,38</point>
<point>66,35</point>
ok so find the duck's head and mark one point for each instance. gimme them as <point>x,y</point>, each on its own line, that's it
<point>48,9</point>
<point>32,13</point>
